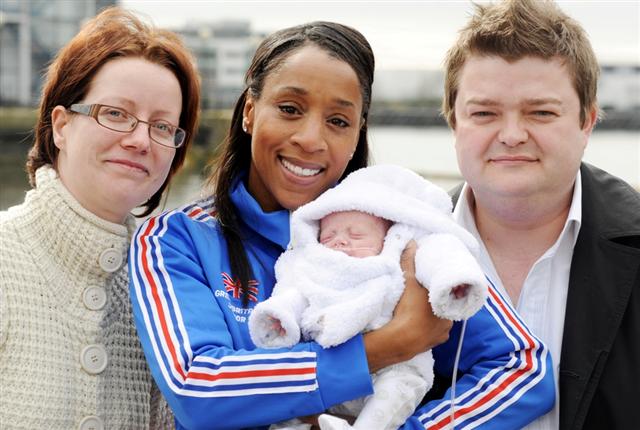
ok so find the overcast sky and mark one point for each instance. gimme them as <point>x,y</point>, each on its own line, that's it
<point>403,34</point>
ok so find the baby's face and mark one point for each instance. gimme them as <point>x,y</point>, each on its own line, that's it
<point>357,234</point>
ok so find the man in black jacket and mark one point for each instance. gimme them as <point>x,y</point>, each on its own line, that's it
<point>561,239</point>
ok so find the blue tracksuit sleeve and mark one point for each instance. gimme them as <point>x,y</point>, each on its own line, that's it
<point>505,378</point>
<point>193,330</point>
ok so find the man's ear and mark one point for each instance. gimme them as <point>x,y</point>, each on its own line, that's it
<point>590,120</point>
<point>59,119</point>
<point>589,124</point>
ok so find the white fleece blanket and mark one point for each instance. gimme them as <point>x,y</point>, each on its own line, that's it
<point>353,294</point>
<point>328,296</point>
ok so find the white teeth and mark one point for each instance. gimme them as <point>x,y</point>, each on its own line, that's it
<point>297,170</point>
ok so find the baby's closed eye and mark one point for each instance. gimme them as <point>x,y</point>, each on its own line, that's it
<point>326,237</point>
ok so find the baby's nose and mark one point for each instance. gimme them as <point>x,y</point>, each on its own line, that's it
<point>340,242</point>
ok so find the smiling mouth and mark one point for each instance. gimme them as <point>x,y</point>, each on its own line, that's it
<point>299,171</point>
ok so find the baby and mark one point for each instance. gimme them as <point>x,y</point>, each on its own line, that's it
<point>355,233</point>
<point>342,276</point>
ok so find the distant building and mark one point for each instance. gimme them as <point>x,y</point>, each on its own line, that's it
<point>407,85</point>
<point>31,33</point>
<point>619,87</point>
<point>223,51</point>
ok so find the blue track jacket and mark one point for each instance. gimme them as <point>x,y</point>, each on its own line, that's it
<point>194,332</point>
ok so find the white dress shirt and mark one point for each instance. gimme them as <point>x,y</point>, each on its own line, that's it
<point>543,298</point>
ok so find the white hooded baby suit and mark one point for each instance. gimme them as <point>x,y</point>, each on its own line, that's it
<point>328,296</point>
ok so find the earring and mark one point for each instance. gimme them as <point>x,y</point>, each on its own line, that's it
<point>244,125</point>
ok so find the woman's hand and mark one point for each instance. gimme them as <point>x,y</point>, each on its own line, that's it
<point>413,329</point>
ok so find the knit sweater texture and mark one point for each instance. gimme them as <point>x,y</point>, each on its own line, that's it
<point>51,252</point>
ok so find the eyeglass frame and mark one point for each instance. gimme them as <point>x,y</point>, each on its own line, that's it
<point>91,110</point>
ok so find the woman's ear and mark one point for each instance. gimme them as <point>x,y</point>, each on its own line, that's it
<point>247,115</point>
<point>59,119</point>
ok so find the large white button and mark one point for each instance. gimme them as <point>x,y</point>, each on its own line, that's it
<point>91,422</point>
<point>93,358</point>
<point>94,298</point>
<point>110,260</point>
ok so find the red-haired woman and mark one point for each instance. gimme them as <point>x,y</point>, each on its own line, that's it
<point>119,108</point>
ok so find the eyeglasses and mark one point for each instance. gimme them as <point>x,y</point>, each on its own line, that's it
<point>118,119</point>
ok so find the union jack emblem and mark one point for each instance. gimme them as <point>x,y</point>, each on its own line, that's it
<point>233,286</point>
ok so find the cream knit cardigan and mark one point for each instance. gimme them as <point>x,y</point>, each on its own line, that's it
<point>49,254</point>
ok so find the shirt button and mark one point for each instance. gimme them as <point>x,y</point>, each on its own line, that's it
<point>110,260</point>
<point>93,359</point>
<point>94,298</point>
<point>91,422</point>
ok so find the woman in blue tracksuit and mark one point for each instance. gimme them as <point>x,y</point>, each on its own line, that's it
<point>198,271</point>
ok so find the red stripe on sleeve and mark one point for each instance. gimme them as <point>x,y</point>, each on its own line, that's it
<point>156,299</point>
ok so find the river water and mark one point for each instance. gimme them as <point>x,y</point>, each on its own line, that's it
<point>426,150</point>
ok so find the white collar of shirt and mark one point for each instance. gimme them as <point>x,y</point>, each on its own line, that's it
<point>543,298</point>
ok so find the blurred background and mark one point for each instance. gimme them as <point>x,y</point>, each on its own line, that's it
<point>409,39</point>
